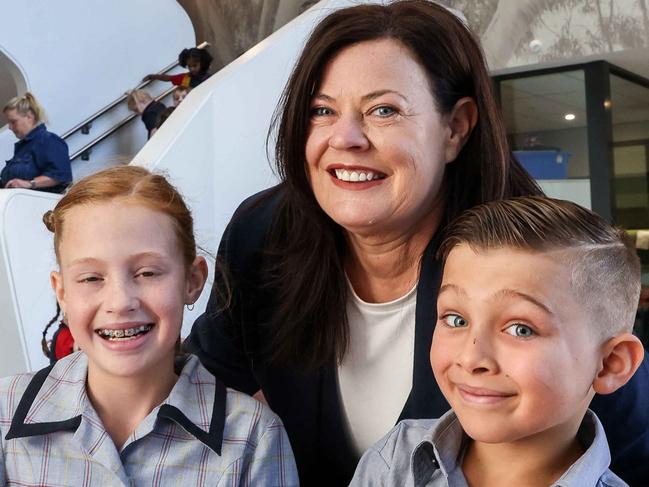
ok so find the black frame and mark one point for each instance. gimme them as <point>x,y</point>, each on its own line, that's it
<point>599,123</point>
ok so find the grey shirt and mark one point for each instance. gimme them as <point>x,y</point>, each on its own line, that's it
<point>429,453</point>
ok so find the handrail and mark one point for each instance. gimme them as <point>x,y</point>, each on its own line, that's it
<point>119,100</point>
<point>115,128</point>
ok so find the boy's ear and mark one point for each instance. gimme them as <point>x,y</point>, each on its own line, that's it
<point>621,357</point>
<point>196,279</point>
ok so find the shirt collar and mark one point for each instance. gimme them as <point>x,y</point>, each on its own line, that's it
<point>443,448</point>
<point>440,448</point>
<point>588,469</point>
<point>56,399</point>
<point>33,132</point>
<point>197,404</point>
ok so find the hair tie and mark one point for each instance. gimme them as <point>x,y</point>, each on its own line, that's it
<point>48,220</point>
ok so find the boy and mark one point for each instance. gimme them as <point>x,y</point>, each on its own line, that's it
<point>535,310</point>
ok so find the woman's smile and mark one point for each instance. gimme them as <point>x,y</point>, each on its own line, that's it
<point>376,146</point>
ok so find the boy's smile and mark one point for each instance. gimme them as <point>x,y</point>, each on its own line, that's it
<point>513,351</point>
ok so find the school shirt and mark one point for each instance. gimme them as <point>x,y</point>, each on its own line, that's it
<point>429,453</point>
<point>202,434</point>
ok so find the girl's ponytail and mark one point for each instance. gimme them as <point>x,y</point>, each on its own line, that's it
<point>27,104</point>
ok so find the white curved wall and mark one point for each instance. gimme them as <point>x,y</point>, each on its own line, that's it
<point>78,55</point>
<point>26,259</point>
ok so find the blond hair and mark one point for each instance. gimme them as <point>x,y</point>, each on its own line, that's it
<point>605,268</point>
<point>25,104</point>
<point>138,96</point>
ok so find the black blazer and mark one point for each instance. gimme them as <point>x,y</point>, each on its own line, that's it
<point>229,342</point>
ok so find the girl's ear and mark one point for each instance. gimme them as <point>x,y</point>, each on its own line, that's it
<point>196,277</point>
<point>461,121</point>
<point>621,357</point>
<point>56,281</point>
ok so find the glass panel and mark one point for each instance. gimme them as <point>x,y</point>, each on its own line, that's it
<point>630,114</point>
<point>545,117</point>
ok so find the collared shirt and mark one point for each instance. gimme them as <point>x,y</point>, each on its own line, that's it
<point>202,434</point>
<point>429,453</point>
<point>39,153</point>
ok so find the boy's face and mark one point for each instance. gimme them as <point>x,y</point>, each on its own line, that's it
<point>513,351</point>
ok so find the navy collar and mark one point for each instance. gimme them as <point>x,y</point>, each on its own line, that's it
<point>60,385</point>
<point>33,133</point>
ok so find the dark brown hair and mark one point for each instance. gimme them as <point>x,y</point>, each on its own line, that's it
<point>605,268</point>
<point>305,245</point>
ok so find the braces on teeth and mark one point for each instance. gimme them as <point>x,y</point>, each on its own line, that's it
<point>129,332</point>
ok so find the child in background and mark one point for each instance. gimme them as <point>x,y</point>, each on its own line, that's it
<point>197,61</point>
<point>142,103</point>
<point>535,310</point>
<point>128,409</point>
<point>179,94</point>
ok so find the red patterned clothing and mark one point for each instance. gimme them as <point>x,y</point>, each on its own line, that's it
<point>186,80</point>
<point>202,434</point>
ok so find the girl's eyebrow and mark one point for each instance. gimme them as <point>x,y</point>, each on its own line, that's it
<point>93,260</point>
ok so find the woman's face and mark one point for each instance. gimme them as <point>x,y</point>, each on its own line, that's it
<point>377,146</point>
<point>19,124</point>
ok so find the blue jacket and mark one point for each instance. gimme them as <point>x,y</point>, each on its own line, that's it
<point>39,153</point>
<point>230,343</point>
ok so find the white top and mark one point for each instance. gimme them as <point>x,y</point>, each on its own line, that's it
<point>375,377</point>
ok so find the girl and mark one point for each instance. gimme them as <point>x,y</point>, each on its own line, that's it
<point>196,60</point>
<point>127,410</point>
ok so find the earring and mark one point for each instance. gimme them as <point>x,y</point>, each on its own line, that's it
<point>190,307</point>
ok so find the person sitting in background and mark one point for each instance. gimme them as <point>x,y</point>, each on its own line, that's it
<point>142,103</point>
<point>41,159</point>
<point>534,317</point>
<point>196,60</point>
<point>179,94</point>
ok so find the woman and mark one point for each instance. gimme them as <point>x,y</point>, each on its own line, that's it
<point>41,160</point>
<point>387,129</point>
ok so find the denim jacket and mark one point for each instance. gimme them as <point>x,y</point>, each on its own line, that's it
<point>39,153</point>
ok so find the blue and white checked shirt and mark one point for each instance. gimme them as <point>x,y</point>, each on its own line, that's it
<point>203,434</point>
<point>425,453</point>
